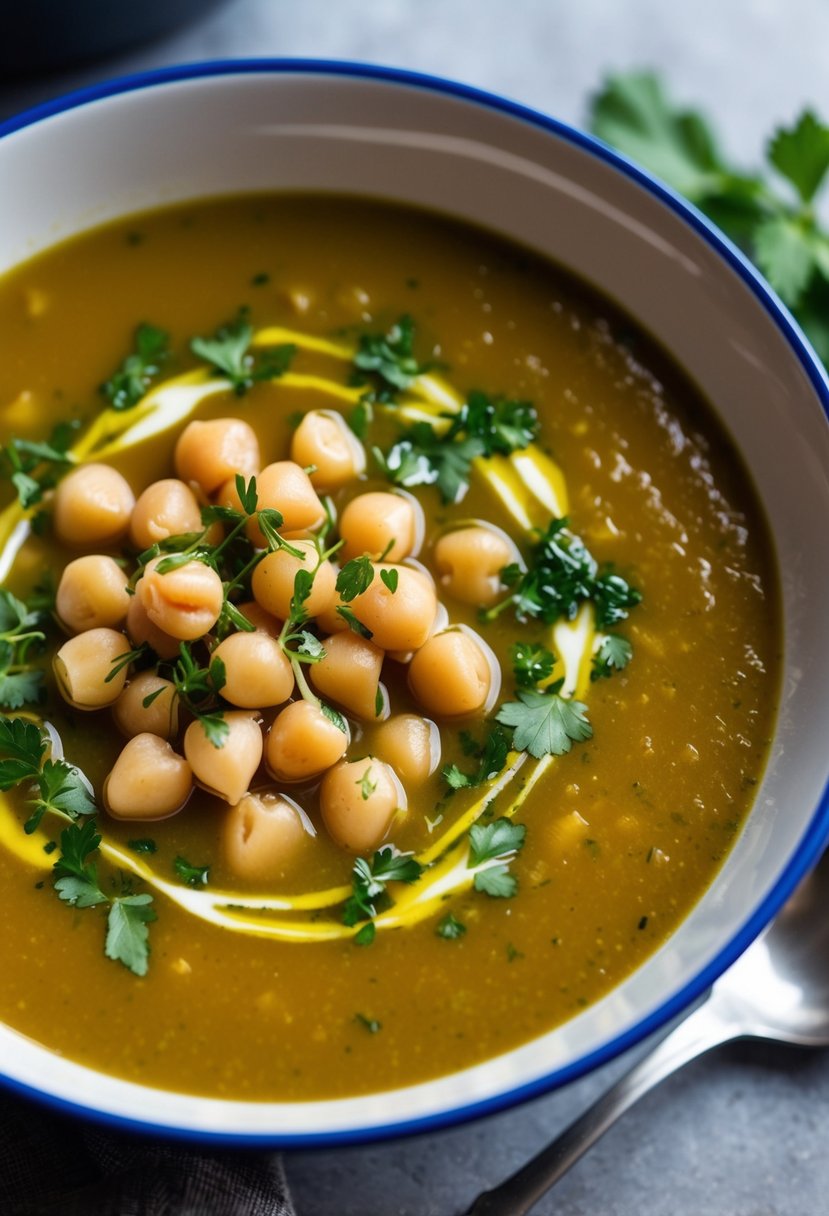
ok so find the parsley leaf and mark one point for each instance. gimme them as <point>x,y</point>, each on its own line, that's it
<point>423,458</point>
<point>531,664</point>
<point>501,425</point>
<point>128,385</point>
<point>488,841</point>
<point>143,845</point>
<point>355,625</point>
<point>369,879</point>
<point>545,723</point>
<point>492,757</point>
<point>497,882</point>
<point>33,468</point>
<point>76,878</point>
<point>450,928</point>
<point>194,876</point>
<point>389,357</point>
<point>614,653</point>
<point>229,352</point>
<point>127,933</point>
<point>22,748</point>
<point>370,1024</point>
<point>355,577</point>
<point>801,154</point>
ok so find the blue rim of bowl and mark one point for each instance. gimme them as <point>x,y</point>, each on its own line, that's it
<point>816,834</point>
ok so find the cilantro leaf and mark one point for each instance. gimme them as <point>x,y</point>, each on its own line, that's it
<point>450,928</point>
<point>499,838</point>
<point>492,757</point>
<point>127,933</point>
<point>390,357</point>
<point>801,154</point>
<point>497,882</point>
<point>355,577</point>
<point>531,664</point>
<point>614,653</point>
<point>545,723</point>
<point>128,385</point>
<point>194,876</point>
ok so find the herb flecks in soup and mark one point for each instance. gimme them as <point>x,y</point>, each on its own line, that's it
<point>390,606</point>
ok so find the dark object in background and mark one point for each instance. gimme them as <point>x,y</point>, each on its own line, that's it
<point>41,35</point>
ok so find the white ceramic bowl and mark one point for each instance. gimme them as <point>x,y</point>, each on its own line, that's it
<point>221,128</point>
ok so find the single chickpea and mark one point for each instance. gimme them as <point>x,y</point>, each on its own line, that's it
<point>165,508</point>
<point>209,453</point>
<point>185,602</point>
<point>92,592</point>
<point>260,619</point>
<point>160,717</point>
<point>92,506</point>
<point>141,629</point>
<point>148,780</point>
<point>358,801</point>
<point>384,524</point>
<point>323,439</point>
<point>273,580</point>
<point>227,770</point>
<point>349,673</point>
<point>287,488</point>
<point>399,620</point>
<point>452,674</point>
<point>257,671</point>
<point>303,742</point>
<point>410,744</point>
<point>263,835</point>
<point>84,668</point>
<point>469,562</point>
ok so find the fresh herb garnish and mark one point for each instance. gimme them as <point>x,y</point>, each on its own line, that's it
<point>389,358</point>
<point>502,425</point>
<point>497,841</point>
<point>194,876</point>
<point>35,467</point>
<point>127,939</point>
<point>20,631</point>
<point>355,625</point>
<point>422,457</point>
<point>229,352</point>
<point>57,786</point>
<point>369,879</point>
<point>614,653</point>
<point>781,232</point>
<point>355,577</point>
<point>492,756</point>
<point>143,845</point>
<point>561,575</point>
<point>198,690</point>
<point>390,578</point>
<point>370,1024</point>
<point>545,723</point>
<point>450,928</point>
<point>531,664</point>
<point>367,786</point>
<point>135,375</point>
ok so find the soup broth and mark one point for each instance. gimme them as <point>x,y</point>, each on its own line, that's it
<point>624,830</point>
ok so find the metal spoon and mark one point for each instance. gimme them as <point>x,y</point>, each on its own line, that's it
<point>778,990</point>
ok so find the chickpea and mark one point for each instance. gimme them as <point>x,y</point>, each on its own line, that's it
<point>469,562</point>
<point>148,780</point>
<point>410,744</point>
<point>349,673</point>
<point>141,629</point>
<point>258,673</point>
<point>165,508</point>
<point>323,439</point>
<point>227,770</point>
<point>208,453</point>
<point>399,620</point>
<point>92,506</point>
<point>287,488</point>
<point>273,580</point>
<point>371,522</point>
<point>260,619</point>
<point>160,717</point>
<point>303,743</point>
<point>263,834</point>
<point>185,602</point>
<point>358,801</point>
<point>452,674</point>
<point>92,592</point>
<point>84,663</point>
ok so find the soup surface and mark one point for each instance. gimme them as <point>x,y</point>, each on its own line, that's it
<point>562,826</point>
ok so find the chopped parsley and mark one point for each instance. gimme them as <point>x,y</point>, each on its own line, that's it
<point>450,928</point>
<point>35,467</point>
<point>21,630</point>
<point>544,723</point>
<point>491,755</point>
<point>368,882</point>
<point>614,653</point>
<point>193,876</point>
<point>531,664</point>
<point>498,841</point>
<point>228,351</point>
<point>389,358</point>
<point>126,387</point>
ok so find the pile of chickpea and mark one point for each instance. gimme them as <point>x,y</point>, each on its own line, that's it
<point>278,733</point>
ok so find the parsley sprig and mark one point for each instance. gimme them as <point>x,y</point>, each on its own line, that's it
<point>779,228</point>
<point>491,756</point>
<point>369,880</point>
<point>499,841</point>
<point>21,632</point>
<point>543,722</point>
<point>126,387</point>
<point>228,351</point>
<point>55,785</point>
<point>389,359</point>
<point>34,467</point>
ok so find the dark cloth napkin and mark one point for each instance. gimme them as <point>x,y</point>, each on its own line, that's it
<point>52,1165</point>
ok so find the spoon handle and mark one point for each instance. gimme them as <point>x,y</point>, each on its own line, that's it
<point>698,1033</point>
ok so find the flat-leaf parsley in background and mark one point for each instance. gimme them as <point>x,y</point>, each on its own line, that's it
<point>774,221</point>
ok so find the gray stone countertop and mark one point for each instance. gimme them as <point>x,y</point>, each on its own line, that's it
<point>742,1132</point>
